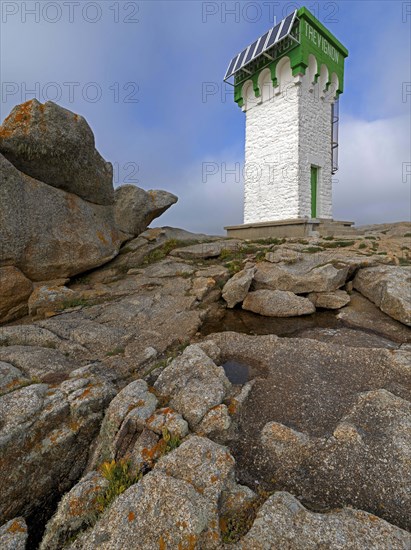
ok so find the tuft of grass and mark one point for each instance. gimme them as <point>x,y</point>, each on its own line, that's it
<point>115,351</point>
<point>260,256</point>
<point>407,235</point>
<point>338,244</point>
<point>371,237</point>
<point>75,302</point>
<point>363,245</point>
<point>164,250</point>
<point>235,525</point>
<point>270,240</point>
<point>330,238</point>
<point>120,478</point>
<point>233,267</point>
<point>404,261</point>
<point>313,249</point>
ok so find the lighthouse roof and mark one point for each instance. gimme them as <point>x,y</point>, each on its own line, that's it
<point>297,36</point>
<point>259,48</point>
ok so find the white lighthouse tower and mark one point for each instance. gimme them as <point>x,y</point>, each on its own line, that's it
<point>288,83</point>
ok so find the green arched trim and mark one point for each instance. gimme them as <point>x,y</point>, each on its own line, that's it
<point>315,39</point>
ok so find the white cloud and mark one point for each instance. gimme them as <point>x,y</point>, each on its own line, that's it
<point>370,186</point>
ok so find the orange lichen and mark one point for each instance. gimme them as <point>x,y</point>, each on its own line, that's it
<point>21,116</point>
<point>101,237</point>
<point>16,527</point>
<point>213,479</point>
<point>233,406</point>
<point>161,544</point>
<point>131,516</point>
<point>85,393</point>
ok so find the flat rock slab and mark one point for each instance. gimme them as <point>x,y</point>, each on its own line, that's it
<point>207,250</point>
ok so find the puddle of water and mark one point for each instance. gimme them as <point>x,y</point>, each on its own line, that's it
<point>238,320</point>
<point>322,325</point>
<point>236,372</point>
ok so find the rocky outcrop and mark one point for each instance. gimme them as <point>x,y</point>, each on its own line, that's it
<point>48,233</point>
<point>15,290</point>
<point>136,208</point>
<point>389,288</point>
<point>76,511</point>
<point>282,522</point>
<point>55,146</point>
<point>318,415</point>
<point>277,303</point>
<point>51,425</point>
<point>194,383</point>
<point>208,249</point>
<point>235,290</point>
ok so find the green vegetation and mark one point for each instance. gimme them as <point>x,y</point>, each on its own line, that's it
<point>75,302</point>
<point>313,249</point>
<point>405,261</point>
<point>115,351</point>
<point>407,235</point>
<point>235,525</point>
<point>164,250</point>
<point>330,238</point>
<point>371,238</point>
<point>120,478</point>
<point>363,245</point>
<point>338,244</point>
<point>260,256</point>
<point>269,240</point>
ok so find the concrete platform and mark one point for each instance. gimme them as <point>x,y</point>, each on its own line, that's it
<point>303,227</point>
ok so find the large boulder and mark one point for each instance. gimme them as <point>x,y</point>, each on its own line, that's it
<point>389,287</point>
<point>302,277</point>
<point>56,146</point>
<point>283,522</point>
<point>48,233</point>
<point>135,208</point>
<point>15,290</point>
<point>277,303</point>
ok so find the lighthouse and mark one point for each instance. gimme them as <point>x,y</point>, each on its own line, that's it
<point>288,83</point>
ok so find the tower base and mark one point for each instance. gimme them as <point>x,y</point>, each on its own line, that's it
<point>302,227</point>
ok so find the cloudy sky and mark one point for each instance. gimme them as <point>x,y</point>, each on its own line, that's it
<point>147,75</point>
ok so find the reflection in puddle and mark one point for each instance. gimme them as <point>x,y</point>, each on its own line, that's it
<point>236,372</point>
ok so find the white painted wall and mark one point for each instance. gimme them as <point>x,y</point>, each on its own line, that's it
<point>287,130</point>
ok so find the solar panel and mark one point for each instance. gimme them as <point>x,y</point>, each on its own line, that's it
<point>250,54</point>
<point>273,36</point>
<point>286,26</point>
<point>230,69</point>
<point>257,48</point>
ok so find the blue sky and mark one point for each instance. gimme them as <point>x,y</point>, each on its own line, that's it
<point>171,57</point>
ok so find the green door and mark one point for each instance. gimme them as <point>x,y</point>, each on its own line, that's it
<point>314,180</point>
